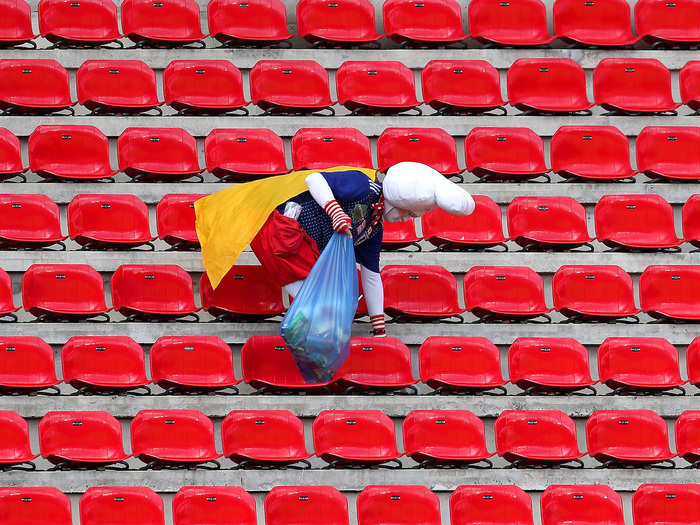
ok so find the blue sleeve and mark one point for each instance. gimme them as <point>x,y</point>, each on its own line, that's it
<point>347,185</point>
<point>367,253</point>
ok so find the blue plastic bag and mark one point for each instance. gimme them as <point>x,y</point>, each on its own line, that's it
<point>317,325</point>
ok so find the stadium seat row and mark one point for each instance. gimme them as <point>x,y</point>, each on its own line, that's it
<point>535,86</point>
<point>352,22</point>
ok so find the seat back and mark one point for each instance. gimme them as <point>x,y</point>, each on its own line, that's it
<point>420,290</point>
<point>584,504</point>
<point>244,151</point>
<point>354,435</point>
<point>555,84</point>
<point>203,84</point>
<point>514,290</point>
<point>482,228</point>
<point>167,151</point>
<point>691,219</point>
<point>490,505</point>
<point>122,506</point>
<point>536,434</point>
<point>638,361</point>
<point>404,504</point>
<point>6,297</point>
<point>686,430</point>
<point>548,362</point>
<point>289,83</point>
<point>257,21</point>
<point>348,20</point>
<point>396,235</point>
<point>517,22</point>
<point>34,83</point>
<point>376,362</point>
<point>263,435</point>
<point>213,505</point>
<point>461,84</point>
<point>108,218</point>
<point>27,362</point>
<point>692,358</point>
<point>668,21</point>
<point>594,23</point>
<point>85,21</point>
<point>431,21</point>
<point>431,146</point>
<point>10,153</point>
<point>593,290</point>
<point>315,505</point>
<point>29,218</point>
<point>319,148</point>
<point>504,150</point>
<point>175,218</point>
<point>672,152</point>
<point>444,434</point>
<point>116,84</point>
<point>670,290</point>
<point>152,289</point>
<point>29,505</point>
<point>205,361</point>
<point>170,20</point>
<point>666,503</point>
<point>555,220</point>
<point>16,22</point>
<point>245,292</point>
<point>381,84</point>
<point>689,80</point>
<point>14,438</point>
<point>459,361</point>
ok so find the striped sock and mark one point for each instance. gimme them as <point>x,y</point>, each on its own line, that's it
<point>378,328</point>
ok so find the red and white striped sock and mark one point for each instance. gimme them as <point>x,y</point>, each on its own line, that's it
<point>341,221</point>
<point>378,328</point>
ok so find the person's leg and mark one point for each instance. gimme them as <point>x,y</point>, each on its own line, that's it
<point>293,288</point>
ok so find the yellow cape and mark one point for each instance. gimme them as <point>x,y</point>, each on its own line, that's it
<point>226,221</point>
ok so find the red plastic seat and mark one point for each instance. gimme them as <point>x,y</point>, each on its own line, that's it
<point>109,222</point>
<point>505,293</point>
<point>86,439</point>
<point>77,153</point>
<point>692,357</point>
<point>27,366</point>
<point>88,23</point>
<point>175,220</point>
<point>549,364</point>
<point>29,221</point>
<point>431,146</point>
<point>376,88</point>
<point>591,152</point>
<point>545,86</point>
<point>247,293</point>
<point>602,23</point>
<point>214,506</point>
<point>32,505</point>
<point>419,23</point>
<point>628,438</point>
<point>581,504</point>
<point>669,152</point>
<point>445,437</point>
<point>687,430</point>
<point>10,155</point>
<point>240,155</point>
<point>462,87</point>
<point>15,450</point>
<point>466,364</point>
<point>264,438</point>
<point>34,87</point>
<point>691,220</point>
<point>594,293</point>
<point>490,505</point>
<point>168,23</point>
<point>399,235</point>
<point>417,292</point>
<point>397,505</point>
<point>548,223</point>
<point>256,22</point>
<point>122,506</point>
<point>104,365</point>
<point>192,364</point>
<point>639,364</point>
<point>656,504</point>
<point>689,80</point>
<point>7,306</point>
<point>668,23</point>
<point>537,438</point>
<point>153,292</point>
<point>349,22</point>
<point>319,148</point>
<point>671,292</point>
<point>633,86</point>
<point>505,154</point>
<point>158,154</point>
<point>643,222</point>
<point>313,505</point>
<point>290,87</point>
<point>16,24</point>
<point>204,87</point>
<point>512,23</point>
<point>64,292</point>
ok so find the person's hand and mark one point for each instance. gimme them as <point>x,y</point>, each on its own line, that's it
<point>340,220</point>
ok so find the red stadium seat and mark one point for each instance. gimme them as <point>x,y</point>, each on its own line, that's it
<point>460,364</point>
<point>29,221</point>
<point>34,87</point>
<point>10,156</point>
<point>669,152</point>
<point>639,365</point>
<point>313,505</point>
<point>689,79</point>
<point>399,235</point>
<point>204,87</point>
<point>350,22</point>
<point>319,148</point>
<point>88,23</point>
<point>581,504</point>
<point>32,505</point>
<point>495,293</point>
<point>668,24</point>
<point>264,439</point>
<point>86,439</point>
<point>591,152</point>
<point>641,222</point>
<point>537,438</point>
<point>398,505</point>
<point>109,222</point>
<point>692,357</point>
<point>27,366</point>
<point>445,438</point>
<point>76,153</point>
<point>656,504</point>
<point>505,154</point>
<point>549,364</point>
<point>247,293</point>
<point>240,155</point>
<point>15,450</point>
<point>246,23</point>
<point>602,23</point>
<point>633,86</point>
<point>670,293</point>
<point>73,292</point>
<point>512,23</point>
<point>158,154</point>
<point>594,293</point>
<point>104,365</point>
<point>213,505</point>
<point>416,292</point>
<point>167,23</point>
<point>290,87</point>
<point>376,88</point>
<point>691,221</point>
<point>628,438</point>
<point>7,306</point>
<point>431,146</point>
<point>687,430</point>
<point>490,505</point>
<point>423,23</point>
<point>121,506</point>
<point>153,292</point>
<point>548,223</point>
<point>16,24</point>
<point>548,86</point>
<point>459,87</point>
<point>175,220</point>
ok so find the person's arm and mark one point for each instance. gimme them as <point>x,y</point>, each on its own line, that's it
<point>323,195</point>
<point>374,297</point>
